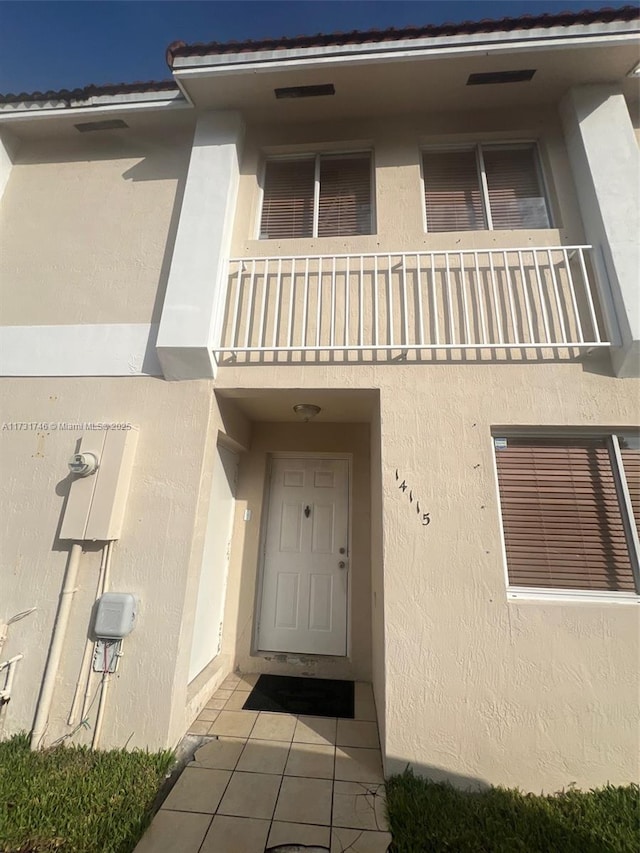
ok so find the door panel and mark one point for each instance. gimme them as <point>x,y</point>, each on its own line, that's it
<point>304,590</point>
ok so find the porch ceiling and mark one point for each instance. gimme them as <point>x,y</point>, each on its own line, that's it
<point>340,405</point>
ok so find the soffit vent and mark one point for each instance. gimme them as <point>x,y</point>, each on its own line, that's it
<point>490,78</point>
<point>305,91</point>
<point>106,124</point>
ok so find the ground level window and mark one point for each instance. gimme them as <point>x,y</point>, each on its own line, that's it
<point>321,195</point>
<point>495,187</point>
<point>570,511</point>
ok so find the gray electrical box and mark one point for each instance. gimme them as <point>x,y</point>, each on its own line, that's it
<point>116,615</point>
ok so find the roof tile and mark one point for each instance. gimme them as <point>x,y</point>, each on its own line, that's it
<point>559,19</point>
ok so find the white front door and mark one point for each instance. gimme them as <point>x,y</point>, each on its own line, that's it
<point>305,576</point>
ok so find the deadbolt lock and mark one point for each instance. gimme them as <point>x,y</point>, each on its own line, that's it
<point>343,550</point>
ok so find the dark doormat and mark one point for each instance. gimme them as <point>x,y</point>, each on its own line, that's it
<point>315,697</point>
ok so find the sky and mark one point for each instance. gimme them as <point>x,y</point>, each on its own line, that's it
<point>55,45</point>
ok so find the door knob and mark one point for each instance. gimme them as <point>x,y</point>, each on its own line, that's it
<point>342,564</point>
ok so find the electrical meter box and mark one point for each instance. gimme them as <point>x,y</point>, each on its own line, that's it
<point>115,615</point>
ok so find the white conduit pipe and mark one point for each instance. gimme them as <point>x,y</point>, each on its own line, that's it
<point>105,586</point>
<point>57,641</point>
<point>5,693</point>
<point>85,673</point>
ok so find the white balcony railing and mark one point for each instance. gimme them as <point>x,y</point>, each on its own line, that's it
<point>484,299</point>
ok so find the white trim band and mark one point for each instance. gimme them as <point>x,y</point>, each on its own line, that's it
<point>122,349</point>
<point>526,593</point>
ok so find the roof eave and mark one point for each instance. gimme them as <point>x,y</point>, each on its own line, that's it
<point>102,103</point>
<point>493,42</point>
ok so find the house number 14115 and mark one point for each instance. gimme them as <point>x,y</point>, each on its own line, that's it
<point>403,486</point>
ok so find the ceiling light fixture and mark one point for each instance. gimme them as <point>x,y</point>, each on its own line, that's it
<point>306,411</point>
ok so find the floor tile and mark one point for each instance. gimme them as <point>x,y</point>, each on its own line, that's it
<point>199,727</point>
<point>304,800</point>
<point>357,733</point>
<point>236,835</point>
<point>358,765</point>
<point>359,841</point>
<point>236,701</point>
<point>364,703</point>
<point>220,754</point>
<point>234,723</point>
<point>197,790</point>
<point>171,831</point>
<point>230,682</point>
<point>315,730</point>
<point>298,833</point>
<point>248,680</point>
<point>251,795</point>
<point>219,700</point>
<point>207,715</point>
<point>359,805</point>
<point>274,727</point>
<point>264,756</point>
<point>314,760</point>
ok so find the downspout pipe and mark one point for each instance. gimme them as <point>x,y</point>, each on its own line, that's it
<point>57,641</point>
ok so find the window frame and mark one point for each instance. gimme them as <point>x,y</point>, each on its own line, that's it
<point>523,594</point>
<point>317,156</point>
<point>477,147</point>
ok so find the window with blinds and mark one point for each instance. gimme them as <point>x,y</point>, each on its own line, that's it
<point>487,186</point>
<point>564,515</point>
<point>317,196</point>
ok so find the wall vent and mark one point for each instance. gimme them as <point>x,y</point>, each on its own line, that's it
<point>492,77</point>
<point>305,91</point>
<point>106,124</point>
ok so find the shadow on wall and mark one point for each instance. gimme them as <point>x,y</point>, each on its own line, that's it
<point>157,166</point>
<point>466,814</point>
<point>398,766</point>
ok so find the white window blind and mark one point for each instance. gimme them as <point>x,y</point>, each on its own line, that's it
<point>452,191</point>
<point>515,196</point>
<point>345,195</point>
<point>287,205</point>
<point>319,196</point>
<point>472,189</point>
<point>564,522</point>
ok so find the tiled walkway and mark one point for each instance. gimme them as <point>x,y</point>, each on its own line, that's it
<point>275,779</point>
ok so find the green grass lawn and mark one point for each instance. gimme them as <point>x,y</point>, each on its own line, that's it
<point>73,800</point>
<point>435,817</point>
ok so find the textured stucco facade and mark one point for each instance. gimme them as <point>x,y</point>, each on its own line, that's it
<point>126,234</point>
<point>475,687</point>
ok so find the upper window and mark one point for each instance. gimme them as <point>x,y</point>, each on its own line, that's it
<point>323,195</point>
<point>484,187</point>
<point>570,512</point>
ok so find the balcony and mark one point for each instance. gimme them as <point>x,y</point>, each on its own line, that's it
<point>483,304</point>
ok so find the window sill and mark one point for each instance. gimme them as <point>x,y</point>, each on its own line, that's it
<point>523,594</point>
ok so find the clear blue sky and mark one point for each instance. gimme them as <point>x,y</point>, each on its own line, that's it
<point>54,45</point>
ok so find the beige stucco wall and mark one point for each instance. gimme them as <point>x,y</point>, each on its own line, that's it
<point>396,145</point>
<point>239,639</point>
<point>158,557</point>
<point>87,226</point>
<point>634,115</point>
<point>478,688</point>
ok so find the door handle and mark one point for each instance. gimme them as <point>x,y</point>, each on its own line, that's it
<point>342,564</point>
